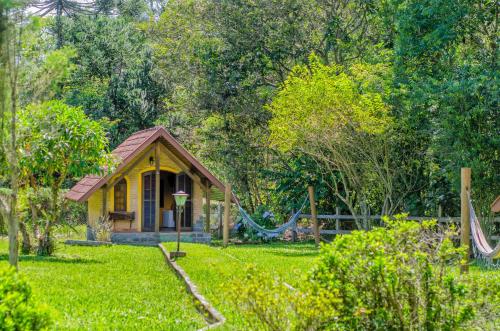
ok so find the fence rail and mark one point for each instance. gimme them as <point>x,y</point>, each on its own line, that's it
<point>342,218</point>
<point>377,217</point>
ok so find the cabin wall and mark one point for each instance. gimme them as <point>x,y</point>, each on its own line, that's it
<point>134,195</point>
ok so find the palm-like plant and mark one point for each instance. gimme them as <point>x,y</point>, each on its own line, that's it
<point>63,7</point>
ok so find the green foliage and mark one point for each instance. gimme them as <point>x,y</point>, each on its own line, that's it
<point>484,294</point>
<point>398,277</point>
<point>291,309</point>
<point>318,98</point>
<point>59,142</point>
<point>17,308</point>
<point>115,76</point>
<point>447,73</point>
<point>339,118</point>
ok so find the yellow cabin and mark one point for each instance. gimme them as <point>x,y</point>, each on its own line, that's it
<point>137,196</point>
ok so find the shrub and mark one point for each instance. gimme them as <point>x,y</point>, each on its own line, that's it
<point>17,311</point>
<point>396,278</point>
<point>102,229</point>
<point>400,277</point>
<point>271,304</point>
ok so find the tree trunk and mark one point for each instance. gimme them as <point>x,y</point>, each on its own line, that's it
<point>10,53</point>
<point>26,245</point>
<point>45,244</point>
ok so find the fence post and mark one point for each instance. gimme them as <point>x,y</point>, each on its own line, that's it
<point>337,220</point>
<point>314,216</point>
<point>465,176</point>
<point>219,216</point>
<point>227,214</point>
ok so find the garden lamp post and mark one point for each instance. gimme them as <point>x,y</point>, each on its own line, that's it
<point>180,201</point>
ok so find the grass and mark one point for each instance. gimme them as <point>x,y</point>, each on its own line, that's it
<point>213,268</point>
<point>111,288</point>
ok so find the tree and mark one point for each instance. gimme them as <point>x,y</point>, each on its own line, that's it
<point>115,76</point>
<point>10,38</point>
<point>447,79</point>
<point>59,142</point>
<point>339,118</point>
<point>68,7</point>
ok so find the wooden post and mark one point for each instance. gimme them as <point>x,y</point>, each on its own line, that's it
<point>314,216</point>
<point>465,175</point>
<point>337,220</point>
<point>294,229</point>
<point>227,214</point>
<point>219,215</point>
<point>104,200</point>
<point>440,211</point>
<point>207,211</point>
<point>157,187</point>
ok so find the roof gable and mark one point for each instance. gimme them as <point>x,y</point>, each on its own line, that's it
<point>128,150</point>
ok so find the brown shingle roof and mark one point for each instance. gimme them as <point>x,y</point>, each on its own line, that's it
<point>132,147</point>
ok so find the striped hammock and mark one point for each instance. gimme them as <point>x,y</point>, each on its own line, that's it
<point>481,246</point>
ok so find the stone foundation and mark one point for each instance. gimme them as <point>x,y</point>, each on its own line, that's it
<point>148,238</point>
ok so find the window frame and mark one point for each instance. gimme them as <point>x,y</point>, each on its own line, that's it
<point>122,183</point>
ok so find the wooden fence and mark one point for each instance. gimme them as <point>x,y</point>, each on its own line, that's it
<point>339,219</point>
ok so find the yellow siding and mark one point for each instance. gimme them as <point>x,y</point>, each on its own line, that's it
<point>95,207</point>
<point>134,193</point>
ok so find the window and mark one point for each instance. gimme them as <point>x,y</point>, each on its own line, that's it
<point>121,195</point>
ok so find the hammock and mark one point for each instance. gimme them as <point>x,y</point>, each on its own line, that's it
<point>270,233</point>
<point>481,246</point>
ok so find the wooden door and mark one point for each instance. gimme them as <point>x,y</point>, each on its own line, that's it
<point>184,183</point>
<point>148,201</point>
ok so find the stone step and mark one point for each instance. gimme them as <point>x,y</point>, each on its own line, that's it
<point>154,238</point>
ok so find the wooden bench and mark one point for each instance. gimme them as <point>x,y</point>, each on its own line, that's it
<point>122,216</point>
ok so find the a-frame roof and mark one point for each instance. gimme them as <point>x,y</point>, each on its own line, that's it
<point>129,150</point>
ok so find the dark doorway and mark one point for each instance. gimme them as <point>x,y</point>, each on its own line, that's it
<point>169,184</point>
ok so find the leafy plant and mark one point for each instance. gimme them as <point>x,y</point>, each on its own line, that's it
<point>17,311</point>
<point>394,278</point>
<point>271,304</point>
<point>103,228</point>
<point>400,277</point>
<point>59,142</point>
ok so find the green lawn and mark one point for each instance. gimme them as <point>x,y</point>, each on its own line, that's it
<point>213,268</point>
<point>109,288</point>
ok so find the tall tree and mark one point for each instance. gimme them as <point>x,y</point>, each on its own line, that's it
<point>60,8</point>
<point>447,71</point>
<point>77,145</point>
<point>11,32</point>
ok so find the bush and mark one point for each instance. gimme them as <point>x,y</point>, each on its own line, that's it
<point>17,311</point>
<point>103,229</point>
<point>271,304</point>
<point>395,278</point>
<point>400,277</point>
